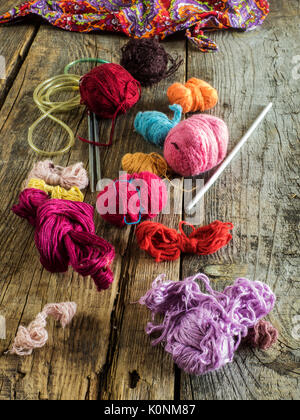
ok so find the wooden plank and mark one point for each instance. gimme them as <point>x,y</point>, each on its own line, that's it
<point>6,5</point>
<point>15,41</point>
<point>136,370</point>
<point>258,193</point>
<point>70,366</point>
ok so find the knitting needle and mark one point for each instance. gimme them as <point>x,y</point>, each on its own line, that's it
<point>91,152</point>
<point>97,149</point>
<point>2,328</point>
<point>229,158</point>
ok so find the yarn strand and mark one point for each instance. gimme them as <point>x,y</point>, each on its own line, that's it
<point>74,194</point>
<point>148,62</point>
<point>35,336</point>
<point>108,91</point>
<point>65,235</point>
<point>66,177</point>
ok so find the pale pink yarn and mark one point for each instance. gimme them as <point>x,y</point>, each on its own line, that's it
<point>196,145</point>
<point>35,336</point>
<point>71,176</point>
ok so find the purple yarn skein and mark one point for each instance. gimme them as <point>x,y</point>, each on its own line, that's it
<point>200,330</point>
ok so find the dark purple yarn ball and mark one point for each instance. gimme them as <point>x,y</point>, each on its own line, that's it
<point>147,61</point>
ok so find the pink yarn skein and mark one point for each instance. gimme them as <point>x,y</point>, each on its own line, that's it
<point>196,145</point>
<point>132,198</point>
<point>71,176</point>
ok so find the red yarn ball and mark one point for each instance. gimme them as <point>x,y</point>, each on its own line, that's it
<point>108,90</point>
<point>132,198</point>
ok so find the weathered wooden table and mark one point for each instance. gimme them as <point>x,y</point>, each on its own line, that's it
<point>105,354</point>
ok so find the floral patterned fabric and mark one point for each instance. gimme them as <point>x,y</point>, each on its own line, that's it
<point>147,18</point>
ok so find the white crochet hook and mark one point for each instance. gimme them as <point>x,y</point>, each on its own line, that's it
<point>227,161</point>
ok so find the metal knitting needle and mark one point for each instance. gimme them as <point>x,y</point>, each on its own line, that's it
<point>229,158</point>
<point>97,149</point>
<point>91,152</point>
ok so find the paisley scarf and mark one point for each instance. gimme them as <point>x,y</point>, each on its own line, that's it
<point>147,18</point>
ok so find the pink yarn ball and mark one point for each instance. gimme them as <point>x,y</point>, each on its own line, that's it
<point>196,145</point>
<point>132,198</point>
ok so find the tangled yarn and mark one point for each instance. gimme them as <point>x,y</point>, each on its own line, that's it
<point>35,336</point>
<point>194,95</point>
<point>73,194</point>
<point>143,162</point>
<point>165,244</point>
<point>147,61</point>
<point>71,176</point>
<point>132,198</point>
<point>200,330</point>
<point>154,126</point>
<point>196,145</point>
<point>147,19</point>
<point>107,91</point>
<point>65,235</point>
<point>263,335</point>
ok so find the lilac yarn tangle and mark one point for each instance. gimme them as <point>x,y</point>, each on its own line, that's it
<point>200,330</point>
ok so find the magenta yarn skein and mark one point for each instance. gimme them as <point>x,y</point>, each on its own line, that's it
<point>131,199</point>
<point>65,235</point>
<point>196,145</point>
<point>200,330</point>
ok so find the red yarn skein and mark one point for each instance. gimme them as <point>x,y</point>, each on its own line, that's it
<point>165,244</point>
<point>107,91</point>
<point>132,198</point>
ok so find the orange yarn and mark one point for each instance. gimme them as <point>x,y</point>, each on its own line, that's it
<point>194,95</point>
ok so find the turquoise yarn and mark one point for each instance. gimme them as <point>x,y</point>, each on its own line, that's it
<point>154,126</point>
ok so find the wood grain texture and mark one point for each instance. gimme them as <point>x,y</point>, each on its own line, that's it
<point>259,194</point>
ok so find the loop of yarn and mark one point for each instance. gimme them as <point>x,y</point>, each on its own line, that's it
<point>196,145</point>
<point>65,235</point>
<point>132,198</point>
<point>42,97</point>
<point>147,61</point>
<point>143,162</point>
<point>71,176</point>
<point>262,336</point>
<point>165,244</point>
<point>107,91</point>
<point>194,95</point>
<point>200,330</point>
<point>35,336</point>
<point>154,126</point>
<point>73,194</point>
